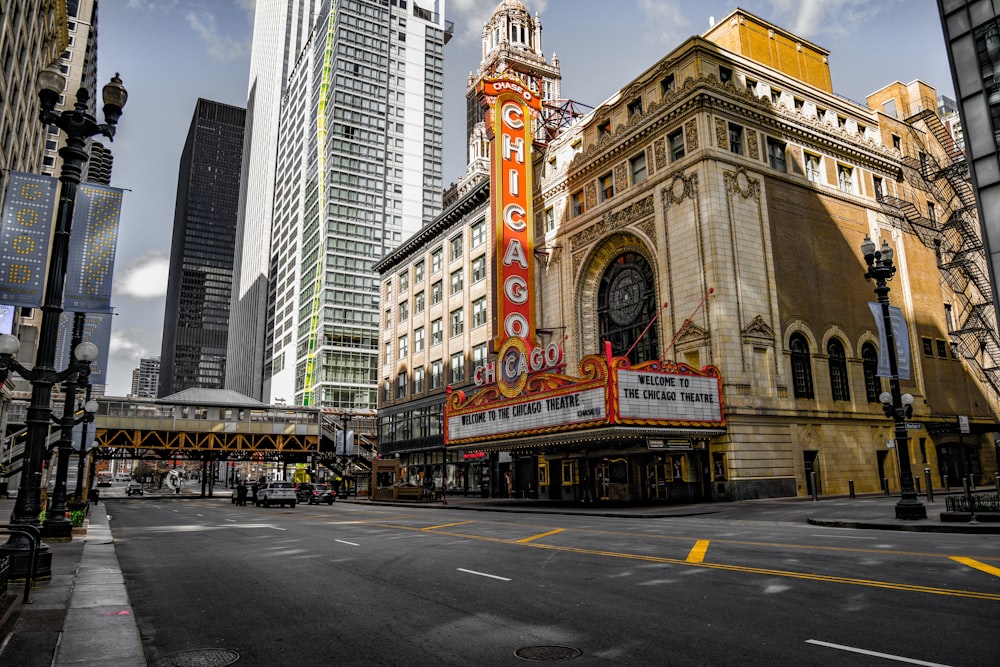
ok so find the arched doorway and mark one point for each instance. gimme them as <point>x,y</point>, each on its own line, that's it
<point>626,304</point>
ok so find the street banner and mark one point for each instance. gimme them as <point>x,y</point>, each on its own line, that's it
<point>7,319</point>
<point>92,246</point>
<point>25,234</point>
<point>901,337</point>
<point>97,330</point>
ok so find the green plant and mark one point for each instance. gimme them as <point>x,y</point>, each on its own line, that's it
<point>76,518</point>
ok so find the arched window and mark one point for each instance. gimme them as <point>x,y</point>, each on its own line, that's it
<point>626,302</point>
<point>839,385</point>
<point>801,371</point>
<point>869,360</point>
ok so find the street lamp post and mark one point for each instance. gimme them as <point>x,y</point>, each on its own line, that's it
<point>89,409</point>
<point>79,126</point>
<point>896,405</point>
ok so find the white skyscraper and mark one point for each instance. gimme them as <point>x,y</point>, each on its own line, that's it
<point>280,30</point>
<point>356,169</point>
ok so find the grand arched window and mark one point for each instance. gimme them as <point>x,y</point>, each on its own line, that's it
<point>869,361</point>
<point>801,371</point>
<point>839,385</point>
<point>626,303</point>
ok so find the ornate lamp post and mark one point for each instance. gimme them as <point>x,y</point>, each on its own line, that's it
<point>897,406</point>
<point>89,410</point>
<point>79,126</point>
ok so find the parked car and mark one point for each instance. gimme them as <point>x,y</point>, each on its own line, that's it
<point>276,493</point>
<point>322,493</point>
<point>133,489</point>
<point>304,491</point>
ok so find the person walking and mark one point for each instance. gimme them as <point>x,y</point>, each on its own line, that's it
<point>241,494</point>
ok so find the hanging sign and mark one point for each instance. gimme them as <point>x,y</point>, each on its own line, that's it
<point>92,246</point>
<point>24,238</point>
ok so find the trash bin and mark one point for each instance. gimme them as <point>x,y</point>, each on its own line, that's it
<point>484,489</point>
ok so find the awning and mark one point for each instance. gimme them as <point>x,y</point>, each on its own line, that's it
<point>607,435</point>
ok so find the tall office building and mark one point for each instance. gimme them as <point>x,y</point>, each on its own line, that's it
<point>358,169</point>
<point>146,378</point>
<point>279,32</point>
<point>196,317</point>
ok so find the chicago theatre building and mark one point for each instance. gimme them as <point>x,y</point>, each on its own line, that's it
<point>665,299</point>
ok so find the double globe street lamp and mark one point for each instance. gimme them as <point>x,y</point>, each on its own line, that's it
<point>78,126</point>
<point>896,405</point>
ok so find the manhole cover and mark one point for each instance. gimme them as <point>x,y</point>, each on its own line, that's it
<point>199,657</point>
<point>548,653</point>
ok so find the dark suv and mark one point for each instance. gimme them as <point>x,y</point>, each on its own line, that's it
<point>304,491</point>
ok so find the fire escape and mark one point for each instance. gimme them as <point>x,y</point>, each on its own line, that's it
<point>957,243</point>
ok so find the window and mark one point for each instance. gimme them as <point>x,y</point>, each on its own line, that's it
<point>404,346</point>
<point>725,74</point>
<point>949,317</point>
<point>404,310</point>
<point>942,349</point>
<point>638,168</point>
<point>436,331</point>
<point>456,247</point>
<point>845,178</point>
<point>418,303</point>
<point>869,361</point>
<point>776,154</point>
<point>436,260</point>
<point>931,213</point>
<point>812,168</point>
<point>456,281</point>
<point>418,340</point>
<point>437,374</point>
<point>478,233</point>
<point>676,142</point>
<point>775,96</point>
<point>457,322</point>
<point>404,281</point>
<point>437,293</point>
<point>606,187</point>
<point>666,84</point>
<point>478,268</point>
<point>735,139</point>
<point>550,219</point>
<point>401,385</point>
<point>635,107</point>
<point>577,203</point>
<point>801,370</point>
<point>897,143</point>
<point>928,345</point>
<point>837,360</point>
<point>386,390</point>
<point>604,129</point>
<point>479,355</point>
<point>387,355</point>
<point>388,318</point>
<point>879,193</point>
<point>479,312</point>
<point>752,86</point>
<point>418,380</point>
<point>457,368</point>
<point>418,272</point>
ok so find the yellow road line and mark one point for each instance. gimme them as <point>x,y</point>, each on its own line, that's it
<point>870,583</point>
<point>983,567</point>
<point>697,553</point>
<point>524,540</point>
<point>448,525</point>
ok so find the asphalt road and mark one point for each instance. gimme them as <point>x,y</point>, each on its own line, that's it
<point>353,584</point>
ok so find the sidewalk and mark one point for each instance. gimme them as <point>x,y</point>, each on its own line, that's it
<point>82,617</point>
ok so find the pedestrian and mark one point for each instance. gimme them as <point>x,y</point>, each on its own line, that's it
<point>241,494</point>
<point>95,495</point>
<point>253,491</point>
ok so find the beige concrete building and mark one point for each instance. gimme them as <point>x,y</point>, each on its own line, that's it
<point>710,215</point>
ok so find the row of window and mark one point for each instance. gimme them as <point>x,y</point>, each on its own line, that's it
<point>421,382</point>
<point>437,291</point>
<point>457,251</point>
<point>457,320</point>
<point>840,388</point>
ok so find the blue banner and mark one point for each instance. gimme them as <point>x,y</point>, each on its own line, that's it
<point>97,330</point>
<point>25,234</point>
<point>900,336</point>
<point>92,245</point>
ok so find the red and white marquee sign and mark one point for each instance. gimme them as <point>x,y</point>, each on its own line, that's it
<point>512,105</point>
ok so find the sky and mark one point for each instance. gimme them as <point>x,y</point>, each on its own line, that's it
<point>171,52</point>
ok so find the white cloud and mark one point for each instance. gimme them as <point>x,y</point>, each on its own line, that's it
<point>143,278</point>
<point>470,16</point>
<point>220,47</point>
<point>812,18</point>
<point>664,22</point>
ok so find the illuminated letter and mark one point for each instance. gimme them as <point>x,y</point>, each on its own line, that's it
<point>513,217</point>
<point>515,254</point>
<point>516,289</point>
<point>513,115</point>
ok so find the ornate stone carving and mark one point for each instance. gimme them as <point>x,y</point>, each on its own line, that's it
<point>590,195</point>
<point>738,182</point>
<point>680,188</point>
<point>660,151</point>
<point>613,220</point>
<point>621,177</point>
<point>753,150</point>
<point>721,134</point>
<point>758,330</point>
<point>691,134</point>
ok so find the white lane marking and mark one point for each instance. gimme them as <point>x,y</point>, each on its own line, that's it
<point>233,520</point>
<point>196,514</point>
<point>482,574</point>
<point>348,543</point>
<point>888,656</point>
<point>843,537</point>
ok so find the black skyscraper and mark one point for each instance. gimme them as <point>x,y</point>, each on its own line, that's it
<point>196,318</point>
